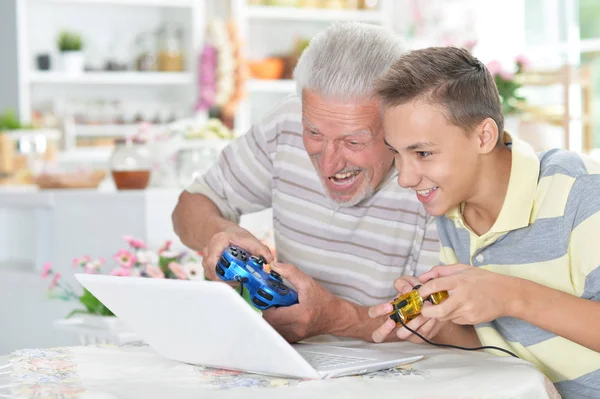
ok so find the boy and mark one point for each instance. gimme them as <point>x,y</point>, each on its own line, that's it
<point>518,231</point>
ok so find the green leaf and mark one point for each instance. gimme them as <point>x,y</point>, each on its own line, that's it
<point>93,305</point>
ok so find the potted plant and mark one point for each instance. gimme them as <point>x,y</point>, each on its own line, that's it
<point>8,122</point>
<point>70,46</point>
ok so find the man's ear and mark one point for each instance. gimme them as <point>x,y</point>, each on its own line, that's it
<point>487,136</point>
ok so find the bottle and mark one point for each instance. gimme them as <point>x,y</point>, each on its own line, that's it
<point>131,164</point>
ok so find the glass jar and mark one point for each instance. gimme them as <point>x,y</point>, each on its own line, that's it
<point>170,49</point>
<point>193,163</point>
<point>131,164</point>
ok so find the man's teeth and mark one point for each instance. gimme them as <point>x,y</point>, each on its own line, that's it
<point>425,193</point>
<point>342,176</point>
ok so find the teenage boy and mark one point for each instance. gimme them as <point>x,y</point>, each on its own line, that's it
<point>518,230</point>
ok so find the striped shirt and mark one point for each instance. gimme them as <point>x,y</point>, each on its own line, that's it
<point>355,252</point>
<point>547,232</point>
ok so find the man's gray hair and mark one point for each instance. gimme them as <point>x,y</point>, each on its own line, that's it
<point>344,61</point>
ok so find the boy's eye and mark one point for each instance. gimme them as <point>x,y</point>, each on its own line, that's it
<point>423,154</point>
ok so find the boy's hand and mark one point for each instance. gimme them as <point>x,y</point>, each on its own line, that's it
<point>476,295</point>
<point>424,326</point>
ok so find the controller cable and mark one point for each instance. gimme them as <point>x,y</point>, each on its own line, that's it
<point>405,302</point>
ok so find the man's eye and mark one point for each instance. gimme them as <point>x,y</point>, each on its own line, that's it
<point>313,133</point>
<point>423,154</point>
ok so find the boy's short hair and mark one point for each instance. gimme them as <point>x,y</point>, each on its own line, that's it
<point>447,76</point>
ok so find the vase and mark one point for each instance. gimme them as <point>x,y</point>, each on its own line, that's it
<point>72,62</point>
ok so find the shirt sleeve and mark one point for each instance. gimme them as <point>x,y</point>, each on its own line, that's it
<point>241,180</point>
<point>582,216</point>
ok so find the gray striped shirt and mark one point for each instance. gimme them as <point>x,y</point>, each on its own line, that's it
<point>355,252</point>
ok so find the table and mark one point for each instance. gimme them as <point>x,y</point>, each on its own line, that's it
<point>137,371</point>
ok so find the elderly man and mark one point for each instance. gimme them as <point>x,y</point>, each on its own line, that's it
<point>344,230</point>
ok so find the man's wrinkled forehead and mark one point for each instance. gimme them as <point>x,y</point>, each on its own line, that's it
<point>344,134</point>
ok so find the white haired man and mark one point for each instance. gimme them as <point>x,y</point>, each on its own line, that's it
<point>342,234</point>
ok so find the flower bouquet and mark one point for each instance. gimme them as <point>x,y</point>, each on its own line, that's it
<point>135,261</point>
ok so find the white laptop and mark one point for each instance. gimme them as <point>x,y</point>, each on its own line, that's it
<point>208,323</point>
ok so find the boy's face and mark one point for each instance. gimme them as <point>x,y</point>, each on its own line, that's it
<point>433,157</point>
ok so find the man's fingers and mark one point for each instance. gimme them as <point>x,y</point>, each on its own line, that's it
<point>253,246</point>
<point>414,324</point>
<point>380,310</point>
<point>384,330</point>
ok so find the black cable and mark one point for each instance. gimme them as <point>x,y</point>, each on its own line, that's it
<point>455,346</point>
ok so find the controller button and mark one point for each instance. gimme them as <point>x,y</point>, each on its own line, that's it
<point>394,316</point>
<point>244,280</point>
<point>233,251</point>
<point>261,260</point>
<point>220,271</point>
<point>224,262</point>
<point>276,275</point>
<point>264,294</point>
<point>258,302</point>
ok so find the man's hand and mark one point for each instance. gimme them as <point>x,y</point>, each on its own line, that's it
<point>313,315</point>
<point>427,327</point>
<point>234,235</point>
<point>476,295</point>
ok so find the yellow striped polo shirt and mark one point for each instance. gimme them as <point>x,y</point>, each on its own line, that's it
<point>547,232</point>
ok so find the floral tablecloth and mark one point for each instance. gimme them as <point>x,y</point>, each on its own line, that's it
<point>106,371</point>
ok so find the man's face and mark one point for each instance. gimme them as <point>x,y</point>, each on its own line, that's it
<point>433,157</point>
<point>345,144</point>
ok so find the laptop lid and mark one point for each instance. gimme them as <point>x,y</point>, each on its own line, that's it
<point>198,322</point>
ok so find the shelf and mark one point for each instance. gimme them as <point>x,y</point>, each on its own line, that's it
<point>143,3</point>
<point>50,134</point>
<point>114,78</point>
<point>271,86</point>
<point>113,130</point>
<point>312,14</point>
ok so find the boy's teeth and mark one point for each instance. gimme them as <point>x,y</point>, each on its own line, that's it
<point>425,192</point>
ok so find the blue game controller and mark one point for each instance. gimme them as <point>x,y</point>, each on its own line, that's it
<point>265,289</point>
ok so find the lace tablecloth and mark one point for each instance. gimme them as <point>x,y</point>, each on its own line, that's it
<point>103,372</point>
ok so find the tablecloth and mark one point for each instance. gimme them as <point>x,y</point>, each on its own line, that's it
<point>137,371</point>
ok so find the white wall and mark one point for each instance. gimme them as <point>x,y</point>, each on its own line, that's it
<point>9,89</point>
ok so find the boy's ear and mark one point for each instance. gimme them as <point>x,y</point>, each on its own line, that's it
<point>487,135</point>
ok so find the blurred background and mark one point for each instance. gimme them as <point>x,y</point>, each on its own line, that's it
<point>108,108</point>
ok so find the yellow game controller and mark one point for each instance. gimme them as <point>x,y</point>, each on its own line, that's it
<point>409,305</point>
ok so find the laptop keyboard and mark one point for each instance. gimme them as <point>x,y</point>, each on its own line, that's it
<point>325,360</point>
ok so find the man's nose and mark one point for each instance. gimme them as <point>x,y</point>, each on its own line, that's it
<point>408,176</point>
<point>331,159</point>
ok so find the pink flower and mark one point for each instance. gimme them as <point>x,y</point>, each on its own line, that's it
<point>54,282</point>
<point>154,271</point>
<point>125,258</point>
<point>495,67</point>
<point>506,75</point>
<point>470,45</point>
<point>134,242</point>
<point>81,261</point>
<point>523,61</point>
<point>177,270</point>
<point>120,272</point>
<point>93,267</point>
<point>166,246</point>
<point>47,270</point>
